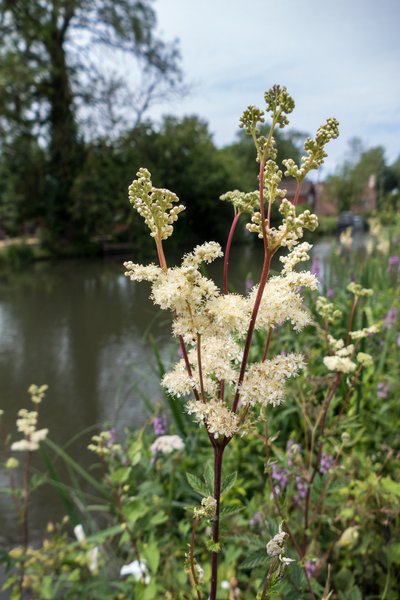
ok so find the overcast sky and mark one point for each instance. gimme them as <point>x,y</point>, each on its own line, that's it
<point>337,58</point>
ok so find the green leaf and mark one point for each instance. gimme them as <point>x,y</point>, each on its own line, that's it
<point>256,559</point>
<point>393,487</point>
<point>120,475</point>
<point>152,555</point>
<point>197,484</point>
<point>228,482</point>
<point>209,478</point>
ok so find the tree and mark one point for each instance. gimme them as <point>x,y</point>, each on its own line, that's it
<point>45,67</point>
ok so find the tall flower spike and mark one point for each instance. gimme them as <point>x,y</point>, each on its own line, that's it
<point>315,149</point>
<point>155,205</point>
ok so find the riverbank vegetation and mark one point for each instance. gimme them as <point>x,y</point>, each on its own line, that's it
<point>271,471</point>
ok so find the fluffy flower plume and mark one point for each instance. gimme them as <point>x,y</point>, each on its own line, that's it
<point>219,419</point>
<point>265,382</point>
<point>165,444</point>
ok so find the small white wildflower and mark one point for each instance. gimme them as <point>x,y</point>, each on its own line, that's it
<point>364,359</point>
<point>359,334</point>
<point>167,444</point>
<point>346,238</point>
<point>138,569</point>
<point>24,446</point>
<point>93,560</point>
<point>341,364</point>
<point>137,272</point>
<point>225,585</point>
<point>12,463</point>
<point>207,508</point>
<point>37,392</point>
<point>79,533</point>
<point>200,572</point>
<point>298,254</point>
<point>206,252</point>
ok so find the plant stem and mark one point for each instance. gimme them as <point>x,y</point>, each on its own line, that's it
<point>250,331</point>
<point>318,459</point>
<point>191,560</point>
<point>353,310</point>
<point>218,456</point>
<point>228,250</point>
<point>267,345</point>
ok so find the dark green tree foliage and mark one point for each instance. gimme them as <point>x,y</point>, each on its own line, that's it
<point>181,156</point>
<point>44,75</point>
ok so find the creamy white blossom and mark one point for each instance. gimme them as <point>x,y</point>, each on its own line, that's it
<point>219,419</point>
<point>340,364</point>
<point>167,444</point>
<point>138,569</point>
<point>264,382</point>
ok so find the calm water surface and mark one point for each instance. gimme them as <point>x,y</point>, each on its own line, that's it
<point>82,327</point>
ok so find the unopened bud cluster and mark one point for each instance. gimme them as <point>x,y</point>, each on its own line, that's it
<point>155,205</point>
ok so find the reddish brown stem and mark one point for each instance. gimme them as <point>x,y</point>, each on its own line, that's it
<point>228,250</point>
<point>218,456</point>
<point>200,368</point>
<point>349,328</point>
<point>250,331</point>
<point>267,345</point>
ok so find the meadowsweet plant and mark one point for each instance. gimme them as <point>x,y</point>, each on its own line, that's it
<point>223,390</point>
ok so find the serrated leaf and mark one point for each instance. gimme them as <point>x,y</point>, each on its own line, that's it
<point>197,484</point>
<point>256,559</point>
<point>230,510</point>
<point>209,478</point>
<point>228,482</point>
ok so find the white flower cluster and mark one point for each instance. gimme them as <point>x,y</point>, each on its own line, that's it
<point>359,334</point>
<point>219,419</point>
<point>207,508</point>
<point>27,423</point>
<point>264,382</point>
<point>103,444</point>
<point>282,301</point>
<point>165,444</point>
<point>341,361</point>
<point>219,357</point>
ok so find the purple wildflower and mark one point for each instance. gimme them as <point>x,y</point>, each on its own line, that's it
<point>249,284</point>
<point>327,462</point>
<point>310,567</point>
<point>382,390</point>
<point>160,425</point>
<point>280,477</point>
<point>113,436</point>
<point>316,267</point>
<point>257,519</point>
<point>301,486</point>
<point>391,317</point>
<point>330,293</point>
<point>393,262</point>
